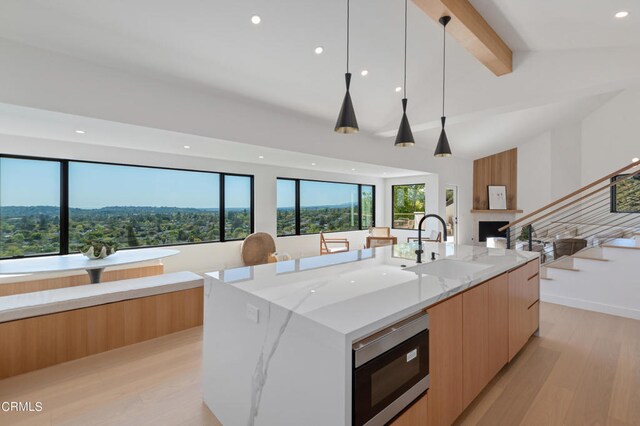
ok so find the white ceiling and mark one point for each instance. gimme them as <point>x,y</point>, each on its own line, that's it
<point>213,45</point>
<point>35,123</point>
<point>562,24</point>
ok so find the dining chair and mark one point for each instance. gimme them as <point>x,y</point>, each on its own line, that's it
<point>257,249</point>
<point>373,242</point>
<point>380,231</point>
<point>324,245</point>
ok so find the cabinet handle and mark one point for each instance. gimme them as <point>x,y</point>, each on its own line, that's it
<point>532,276</point>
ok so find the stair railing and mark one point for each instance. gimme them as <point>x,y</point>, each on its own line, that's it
<point>589,213</point>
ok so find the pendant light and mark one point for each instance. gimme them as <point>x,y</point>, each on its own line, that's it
<point>347,122</point>
<point>443,149</point>
<point>405,136</point>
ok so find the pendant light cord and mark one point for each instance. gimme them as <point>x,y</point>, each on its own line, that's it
<point>404,91</point>
<point>444,59</point>
<point>348,36</point>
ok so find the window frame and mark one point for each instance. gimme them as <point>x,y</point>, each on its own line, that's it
<point>613,198</point>
<point>297,205</point>
<point>393,200</point>
<point>64,201</point>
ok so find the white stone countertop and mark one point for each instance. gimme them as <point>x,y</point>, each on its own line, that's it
<point>358,292</point>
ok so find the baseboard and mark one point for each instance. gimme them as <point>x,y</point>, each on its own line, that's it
<point>591,306</point>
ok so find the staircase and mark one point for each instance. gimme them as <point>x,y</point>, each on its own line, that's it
<point>589,242</point>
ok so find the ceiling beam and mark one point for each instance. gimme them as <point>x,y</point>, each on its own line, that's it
<point>470,29</point>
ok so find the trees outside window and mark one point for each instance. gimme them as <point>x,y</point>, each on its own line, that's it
<point>408,205</point>
<point>310,207</point>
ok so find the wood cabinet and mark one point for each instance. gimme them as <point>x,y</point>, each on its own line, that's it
<point>524,294</point>
<point>472,336</point>
<point>485,335</point>
<point>415,415</point>
<point>445,362</point>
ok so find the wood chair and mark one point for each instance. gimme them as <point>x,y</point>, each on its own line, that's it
<point>324,245</point>
<point>433,238</point>
<point>380,231</point>
<point>380,241</point>
<point>257,249</point>
<point>568,246</point>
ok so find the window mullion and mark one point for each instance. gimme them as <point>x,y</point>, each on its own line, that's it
<point>64,207</point>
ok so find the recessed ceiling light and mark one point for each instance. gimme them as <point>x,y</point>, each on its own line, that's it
<point>319,50</point>
<point>255,19</point>
<point>353,281</point>
<point>261,156</point>
<point>353,170</point>
<point>364,73</point>
<point>635,160</point>
<point>399,89</point>
<point>622,14</point>
<point>80,132</point>
<point>187,147</point>
<point>313,164</point>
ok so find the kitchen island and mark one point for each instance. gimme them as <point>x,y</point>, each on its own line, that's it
<point>278,338</point>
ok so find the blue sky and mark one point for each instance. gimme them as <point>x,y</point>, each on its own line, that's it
<point>38,182</point>
<point>32,182</point>
<point>316,194</point>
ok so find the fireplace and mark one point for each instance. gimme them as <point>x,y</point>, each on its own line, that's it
<point>490,229</point>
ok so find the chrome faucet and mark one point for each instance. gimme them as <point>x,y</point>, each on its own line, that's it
<point>444,233</point>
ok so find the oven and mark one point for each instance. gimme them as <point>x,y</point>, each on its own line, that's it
<point>390,370</point>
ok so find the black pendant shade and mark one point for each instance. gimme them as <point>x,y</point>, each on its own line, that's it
<point>347,122</point>
<point>405,135</point>
<point>443,149</point>
<point>404,138</point>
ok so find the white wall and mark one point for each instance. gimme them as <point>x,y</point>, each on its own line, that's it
<point>565,151</point>
<point>611,136</point>
<point>611,287</point>
<point>534,173</point>
<point>564,159</point>
<point>208,257</point>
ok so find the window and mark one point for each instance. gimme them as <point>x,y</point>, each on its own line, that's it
<point>57,206</point>
<point>237,206</point>
<point>29,207</point>
<point>141,206</point>
<point>309,207</point>
<point>366,200</point>
<point>625,195</point>
<point>408,205</point>
<point>286,206</point>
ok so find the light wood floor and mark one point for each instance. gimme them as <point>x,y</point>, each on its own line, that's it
<point>583,369</point>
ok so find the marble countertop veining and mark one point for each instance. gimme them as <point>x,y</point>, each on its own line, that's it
<point>357,292</point>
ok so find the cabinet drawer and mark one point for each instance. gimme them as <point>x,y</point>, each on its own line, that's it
<point>531,291</point>
<point>533,315</point>
<point>532,268</point>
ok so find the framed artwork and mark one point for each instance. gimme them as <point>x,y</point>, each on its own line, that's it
<point>497,197</point>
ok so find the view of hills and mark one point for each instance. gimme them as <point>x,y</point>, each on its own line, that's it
<point>26,230</point>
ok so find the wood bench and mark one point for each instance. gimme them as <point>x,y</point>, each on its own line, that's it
<point>49,327</point>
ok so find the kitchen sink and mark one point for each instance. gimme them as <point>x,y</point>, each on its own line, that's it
<point>448,268</point>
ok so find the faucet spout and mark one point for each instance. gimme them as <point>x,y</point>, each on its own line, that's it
<point>444,233</point>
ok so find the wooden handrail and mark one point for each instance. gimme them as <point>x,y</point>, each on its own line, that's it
<point>573,194</point>
<point>579,199</point>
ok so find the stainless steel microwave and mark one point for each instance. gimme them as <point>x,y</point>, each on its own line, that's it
<point>390,370</point>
